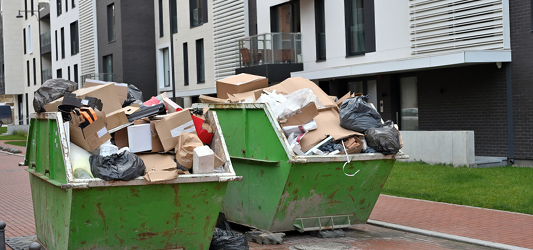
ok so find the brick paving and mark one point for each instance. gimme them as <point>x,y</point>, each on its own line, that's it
<point>482,224</point>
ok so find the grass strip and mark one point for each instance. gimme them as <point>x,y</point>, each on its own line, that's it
<point>12,137</point>
<point>16,143</point>
<point>501,188</point>
<point>3,130</point>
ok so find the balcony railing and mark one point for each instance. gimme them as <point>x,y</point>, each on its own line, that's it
<point>270,48</point>
<point>46,74</point>
<point>45,38</point>
<point>108,77</point>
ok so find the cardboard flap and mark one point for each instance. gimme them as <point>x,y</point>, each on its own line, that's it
<point>339,102</point>
<point>209,99</point>
<point>159,167</point>
<point>172,126</point>
<point>239,84</point>
<point>295,83</point>
<point>305,115</point>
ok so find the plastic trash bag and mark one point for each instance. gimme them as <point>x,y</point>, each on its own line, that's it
<point>286,105</point>
<point>51,90</point>
<point>225,239</point>
<point>385,140</point>
<point>123,166</point>
<point>79,158</point>
<point>357,115</point>
<point>134,96</point>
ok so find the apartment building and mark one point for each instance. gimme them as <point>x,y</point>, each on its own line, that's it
<point>427,65</point>
<point>65,39</point>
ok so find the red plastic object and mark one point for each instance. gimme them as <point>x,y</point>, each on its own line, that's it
<point>204,136</point>
<point>153,101</point>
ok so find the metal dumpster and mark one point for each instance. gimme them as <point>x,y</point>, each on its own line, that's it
<point>281,191</point>
<point>95,214</point>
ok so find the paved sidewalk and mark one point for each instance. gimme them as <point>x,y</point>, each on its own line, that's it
<point>482,224</point>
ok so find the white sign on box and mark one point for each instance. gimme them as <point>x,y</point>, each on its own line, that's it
<point>187,127</point>
<point>140,138</point>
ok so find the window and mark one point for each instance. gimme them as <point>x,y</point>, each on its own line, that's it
<point>68,73</point>
<point>174,15</point>
<point>59,73</point>
<point>66,5</point>
<point>28,72</point>
<point>359,22</point>
<point>111,22</point>
<point>198,12</point>
<point>26,9</point>
<point>166,68</point>
<point>200,64</point>
<point>24,38</point>
<point>34,73</point>
<point>31,7</point>
<point>62,42</point>
<point>161,28</point>
<point>320,30</point>
<point>74,39</point>
<point>108,67</point>
<point>57,55</point>
<point>185,64</point>
<point>58,7</point>
<point>30,43</point>
<point>27,110</point>
<point>75,71</point>
<point>285,17</point>
<point>73,3</point>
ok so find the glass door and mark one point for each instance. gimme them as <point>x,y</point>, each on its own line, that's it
<point>409,103</point>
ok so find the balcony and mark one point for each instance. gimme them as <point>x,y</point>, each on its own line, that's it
<point>273,55</point>
<point>108,77</point>
<point>2,85</point>
<point>44,9</point>
<point>46,74</point>
<point>46,43</point>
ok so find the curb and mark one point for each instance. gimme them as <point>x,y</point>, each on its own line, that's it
<point>7,153</point>
<point>445,235</point>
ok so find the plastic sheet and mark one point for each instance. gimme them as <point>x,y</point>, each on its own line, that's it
<point>286,105</point>
<point>385,140</point>
<point>357,115</point>
<point>51,90</point>
<point>123,166</point>
<point>134,96</point>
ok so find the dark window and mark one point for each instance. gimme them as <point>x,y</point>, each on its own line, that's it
<point>57,50</point>
<point>28,72</point>
<point>198,12</point>
<point>74,39</point>
<point>174,16</point>
<point>68,73</point>
<point>27,110</point>
<point>62,42</point>
<point>285,17</point>
<point>31,7</point>
<point>185,64</point>
<point>76,73</point>
<point>66,5</point>
<point>59,7</point>
<point>26,9</point>
<point>34,72</point>
<point>320,30</point>
<point>111,22</point>
<point>24,37</point>
<point>200,64</point>
<point>108,67</point>
<point>161,28</point>
<point>73,3</point>
<point>59,73</point>
<point>359,18</point>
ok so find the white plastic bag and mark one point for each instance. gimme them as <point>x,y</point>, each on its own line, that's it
<point>79,158</point>
<point>286,105</point>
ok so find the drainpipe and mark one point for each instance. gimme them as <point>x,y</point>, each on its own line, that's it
<point>171,50</point>
<point>510,139</point>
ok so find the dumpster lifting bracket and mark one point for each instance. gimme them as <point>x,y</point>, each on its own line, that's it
<point>299,223</point>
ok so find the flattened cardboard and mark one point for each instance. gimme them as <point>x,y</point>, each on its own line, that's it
<point>209,99</point>
<point>139,138</point>
<point>171,126</point>
<point>239,84</point>
<point>105,92</point>
<point>92,136</point>
<point>156,143</point>
<point>295,83</point>
<point>339,102</point>
<point>159,167</point>
<point>327,122</point>
<point>306,114</point>
<point>120,88</point>
<point>238,97</point>
<point>119,117</point>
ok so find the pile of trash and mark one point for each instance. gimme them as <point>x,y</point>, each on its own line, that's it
<point>313,122</point>
<point>115,135</point>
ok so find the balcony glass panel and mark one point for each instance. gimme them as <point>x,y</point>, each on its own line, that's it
<point>270,48</point>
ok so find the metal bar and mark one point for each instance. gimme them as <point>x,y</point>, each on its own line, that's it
<point>254,161</point>
<point>510,139</point>
<point>2,236</point>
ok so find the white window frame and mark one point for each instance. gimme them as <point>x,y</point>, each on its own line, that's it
<point>29,39</point>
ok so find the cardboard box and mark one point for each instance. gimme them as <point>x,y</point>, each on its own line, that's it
<point>156,142</point>
<point>238,97</point>
<point>209,99</point>
<point>339,102</point>
<point>119,117</point>
<point>327,122</point>
<point>295,83</point>
<point>305,115</point>
<point>121,88</point>
<point>121,138</point>
<point>105,92</point>
<point>159,167</point>
<point>139,138</point>
<point>239,84</point>
<point>171,126</point>
<point>92,136</point>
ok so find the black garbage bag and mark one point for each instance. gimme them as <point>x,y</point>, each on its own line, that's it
<point>50,90</point>
<point>123,166</point>
<point>357,115</point>
<point>385,140</point>
<point>135,95</point>
<point>225,239</point>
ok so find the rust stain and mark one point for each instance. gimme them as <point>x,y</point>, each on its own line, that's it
<point>136,195</point>
<point>101,213</point>
<point>262,172</point>
<point>295,191</point>
<point>144,224</point>
<point>87,221</point>
<point>176,191</point>
<point>332,194</point>
<point>326,175</point>
<point>218,187</point>
<point>132,190</point>
<point>290,184</point>
<point>338,168</point>
<point>83,242</point>
<point>362,201</point>
<point>350,188</point>
<point>147,235</point>
<point>206,226</point>
<point>353,200</point>
<point>119,239</point>
<point>83,206</point>
<point>334,202</point>
<point>295,198</point>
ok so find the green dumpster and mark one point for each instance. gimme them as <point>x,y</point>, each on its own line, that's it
<point>281,191</point>
<point>95,214</point>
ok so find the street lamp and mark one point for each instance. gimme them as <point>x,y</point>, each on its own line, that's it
<point>26,11</point>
